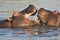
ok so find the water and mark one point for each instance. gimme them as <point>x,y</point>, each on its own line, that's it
<point>19,34</point>
<point>6,10</point>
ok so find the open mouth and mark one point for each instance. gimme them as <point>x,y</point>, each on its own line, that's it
<point>33,13</point>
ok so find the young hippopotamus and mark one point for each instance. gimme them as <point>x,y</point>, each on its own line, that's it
<point>19,19</point>
<point>43,15</point>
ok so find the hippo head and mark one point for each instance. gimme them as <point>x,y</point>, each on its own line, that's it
<point>30,10</point>
<point>43,14</point>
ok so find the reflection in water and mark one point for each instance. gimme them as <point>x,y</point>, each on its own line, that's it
<point>27,34</point>
<point>8,6</point>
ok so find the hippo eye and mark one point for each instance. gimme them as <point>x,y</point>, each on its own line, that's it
<point>45,15</point>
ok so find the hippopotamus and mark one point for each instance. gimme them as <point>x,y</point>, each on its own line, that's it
<point>29,11</point>
<point>43,15</point>
<point>47,17</point>
<point>21,18</point>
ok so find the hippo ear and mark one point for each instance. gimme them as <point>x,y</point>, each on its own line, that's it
<point>55,12</point>
<point>9,19</point>
<point>15,13</point>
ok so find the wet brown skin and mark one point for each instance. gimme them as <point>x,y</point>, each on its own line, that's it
<point>5,24</point>
<point>31,9</point>
<point>53,19</point>
<point>19,19</point>
<point>50,18</point>
<point>57,14</point>
<point>43,15</point>
<point>17,22</point>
